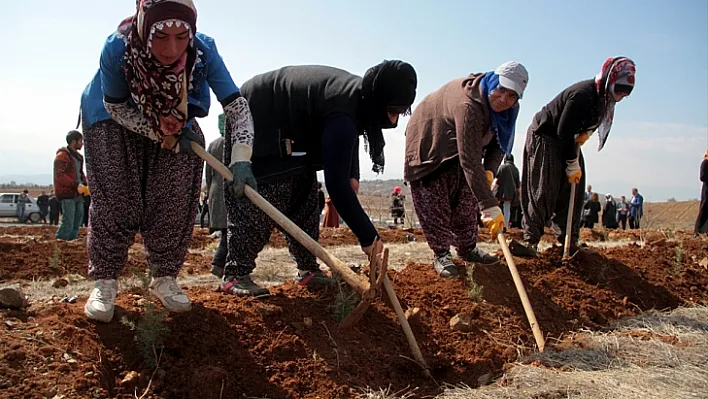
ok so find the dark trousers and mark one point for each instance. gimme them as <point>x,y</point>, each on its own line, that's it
<point>622,220</point>
<point>205,212</point>
<point>43,212</point>
<point>54,217</point>
<point>223,250</point>
<point>634,222</point>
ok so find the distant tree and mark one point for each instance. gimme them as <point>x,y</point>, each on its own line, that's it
<point>672,199</point>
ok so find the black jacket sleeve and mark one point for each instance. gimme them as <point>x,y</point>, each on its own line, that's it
<point>569,123</point>
<point>704,171</point>
<point>354,173</point>
<point>338,140</point>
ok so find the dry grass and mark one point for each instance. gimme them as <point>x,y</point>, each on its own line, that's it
<point>650,356</point>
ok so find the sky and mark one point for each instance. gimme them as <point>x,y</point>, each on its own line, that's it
<point>51,51</point>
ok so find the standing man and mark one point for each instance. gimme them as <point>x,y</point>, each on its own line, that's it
<point>588,193</point>
<point>622,212</point>
<point>70,185</point>
<point>22,201</point>
<point>636,211</point>
<point>215,202</point>
<point>43,204</point>
<point>54,210</point>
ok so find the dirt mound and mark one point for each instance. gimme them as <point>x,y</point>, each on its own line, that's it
<point>330,236</point>
<point>289,346</point>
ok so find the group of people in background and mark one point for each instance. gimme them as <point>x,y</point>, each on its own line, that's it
<point>612,214</point>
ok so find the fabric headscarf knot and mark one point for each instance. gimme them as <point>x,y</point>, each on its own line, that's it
<point>159,91</point>
<point>616,75</point>
<point>388,86</point>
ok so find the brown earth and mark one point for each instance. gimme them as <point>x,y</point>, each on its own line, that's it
<point>289,346</point>
<point>28,253</point>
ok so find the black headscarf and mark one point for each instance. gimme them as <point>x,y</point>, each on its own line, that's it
<point>388,85</point>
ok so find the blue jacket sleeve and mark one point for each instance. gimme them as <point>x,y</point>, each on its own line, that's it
<point>113,83</point>
<point>338,140</point>
<point>218,75</point>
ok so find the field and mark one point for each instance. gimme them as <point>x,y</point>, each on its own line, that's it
<point>290,346</point>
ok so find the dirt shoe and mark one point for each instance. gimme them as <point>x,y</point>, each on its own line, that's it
<point>314,279</point>
<point>526,250</point>
<point>170,294</point>
<point>243,286</point>
<point>476,255</point>
<point>444,266</point>
<point>217,271</point>
<point>101,303</point>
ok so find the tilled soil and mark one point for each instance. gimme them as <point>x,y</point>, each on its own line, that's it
<point>28,253</point>
<point>289,346</point>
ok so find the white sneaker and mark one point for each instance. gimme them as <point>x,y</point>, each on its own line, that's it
<point>170,294</point>
<point>100,305</point>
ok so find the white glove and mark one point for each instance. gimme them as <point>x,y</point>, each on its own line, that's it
<point>573,171</point>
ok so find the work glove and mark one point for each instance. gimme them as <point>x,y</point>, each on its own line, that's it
<point>493,219</point>
<point>184,144</point>
<point>581,138</point>
<point>83,190</point>
<point>243,175</point>
<point>573,171</point>
<point>241,169</point>
<point>490,177</point>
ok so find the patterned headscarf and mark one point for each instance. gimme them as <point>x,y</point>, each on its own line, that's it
<point>158,90</point>
<point>618,71</point>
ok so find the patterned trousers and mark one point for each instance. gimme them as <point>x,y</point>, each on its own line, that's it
<point>447,208</point>
<point>250,228</point>
<point>137,186</point>
<point>545,189</point>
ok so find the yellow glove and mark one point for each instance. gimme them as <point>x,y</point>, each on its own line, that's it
<point>490,177</point>
<point>83,190</point>
<point>573,171</point>
<point>493,219</point>
<point>581,138</point>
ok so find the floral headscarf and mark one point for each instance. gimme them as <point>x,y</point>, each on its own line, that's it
<point>615,72</point>
<point>159,91</point>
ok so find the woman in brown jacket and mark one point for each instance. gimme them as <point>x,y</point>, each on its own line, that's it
<point>455,141</point>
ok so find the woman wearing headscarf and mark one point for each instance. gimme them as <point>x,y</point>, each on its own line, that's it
<point>138,122</point>
<point>455,141</point>
<point>308,118</point>
<point>398,204</point>
<point>591,211</point>
<point>702,219</point>
<point>609,213</point>
<point>552,156</point>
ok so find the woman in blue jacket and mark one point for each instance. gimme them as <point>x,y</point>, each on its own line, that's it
<point>138,122</point>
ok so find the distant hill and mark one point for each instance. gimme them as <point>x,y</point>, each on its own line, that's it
<point>39,180</point>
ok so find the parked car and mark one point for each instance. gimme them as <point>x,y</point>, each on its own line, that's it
<point>8,207</point>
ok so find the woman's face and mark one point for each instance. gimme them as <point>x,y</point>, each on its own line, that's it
<point>619,96</point>
<point>502,99</point>
<point>169,43</point>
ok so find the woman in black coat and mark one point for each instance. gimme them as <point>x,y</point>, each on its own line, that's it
<point>609,213</point>
<point>591,211</point>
